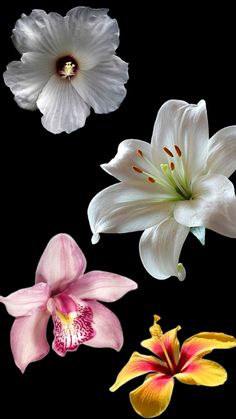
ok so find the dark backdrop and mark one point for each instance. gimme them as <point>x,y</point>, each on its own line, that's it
<point>183,52</point>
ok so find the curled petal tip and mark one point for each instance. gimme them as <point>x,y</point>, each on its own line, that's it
<point>95,239</point>
<point>181,272</point>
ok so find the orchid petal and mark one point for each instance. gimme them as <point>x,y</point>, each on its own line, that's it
<point>26,78</point>
<point>210,207</point>
<point>108,331</point>
<point>62,107</point>
<point>153,396</point>
<point>203,343</point>
<point>102,87</point>
<point>25,301</point>
<point>125,207</point>
<point>179,123</point>
<point>222,152</point>
<point>95,35</point>
<point>160,248</point>
<point>41,32</point>
<point>127,157</point>
<point>28,339</point>
<point>61,262</point>
<point>171,343</point>
<point>203,372</point>
<point>137,365</point>
<point>103,286</point>
<point>72,329</point>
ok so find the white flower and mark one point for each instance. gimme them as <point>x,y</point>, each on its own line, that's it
<point>68,65</point>
<point>177,183</point>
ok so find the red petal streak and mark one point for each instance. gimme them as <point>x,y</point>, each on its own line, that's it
<point>72,329</point>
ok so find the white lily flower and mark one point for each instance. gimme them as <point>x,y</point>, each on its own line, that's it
<point>177,184</point>
<point>68,65</point>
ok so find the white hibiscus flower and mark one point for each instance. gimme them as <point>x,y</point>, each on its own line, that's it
<point>177,183</point>
<point>68,65</point>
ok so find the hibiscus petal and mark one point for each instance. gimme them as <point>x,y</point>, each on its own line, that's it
<point>153,396</point>
<point>127,157</point>
<point>126,207</point>
<point>28,339</point>
<point>103,286</point>
<point>171,343</point>
<point>62,108</point>
<point>102,87</point>
<point>94,35</point>
<point>185,125</point>
<point>26,78</point>
<point>203,343</point>
<point>137,365</point>
<point>72,329</point>
<point>25,301</point>
<point>41,32</point>
<point>222,152</point>
<point>210,207</point>
<point>108,331</point>
<point>203,372</point>
<point>61,262</point>
<point>160,248</point>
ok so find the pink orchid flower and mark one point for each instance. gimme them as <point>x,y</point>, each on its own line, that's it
<point>62,290</point>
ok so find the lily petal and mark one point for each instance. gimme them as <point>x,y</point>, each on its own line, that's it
<point>106,326</point>
<point>25,301</point>
<point>127,157</point>
<point>41,32</point>
<point>210,207</point>
<point>26,78</point>
<point>61,262</point>
<point>103,286</point>
<point>203,372</point>
<point>160,248</point>
<point>137,365</point>
<point>185,125</point>
<point>62,107</point>
<point>171,343</point>
<point>222,152</point>
<point>153,396</point>
<point>126,207</point>
<point>95,35</point>
<point>102,87</point>
<point>203,343</point>
<point>28,339</point>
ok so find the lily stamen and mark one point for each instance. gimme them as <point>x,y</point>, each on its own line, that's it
<point>139,153</point>
<point>137,169</point>
<point>178,151</point>
<point>167,151</point>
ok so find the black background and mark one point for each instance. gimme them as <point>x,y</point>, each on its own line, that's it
<point>175,52</point>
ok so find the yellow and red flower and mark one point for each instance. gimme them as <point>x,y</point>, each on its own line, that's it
<point>187,365</point>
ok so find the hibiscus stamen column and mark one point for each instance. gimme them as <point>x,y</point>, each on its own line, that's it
<point>157,333</point>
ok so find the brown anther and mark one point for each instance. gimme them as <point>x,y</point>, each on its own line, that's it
<point>178,151</point>
<point>172,166</point>
<point>139,153</point>
<point>151,179</point>
<point>137,169</point>
<point>167,151</point>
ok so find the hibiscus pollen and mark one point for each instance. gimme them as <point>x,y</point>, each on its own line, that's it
<point>167,151</point>
<point>137,169</point>
<point>67,67</point>
<point>178,151</point>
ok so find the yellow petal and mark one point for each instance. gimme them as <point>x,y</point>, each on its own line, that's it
<point>137,365</point>
<point>153,396</point>
<point>203,343</point>
<point>203,372</point>
<point>171,342</point>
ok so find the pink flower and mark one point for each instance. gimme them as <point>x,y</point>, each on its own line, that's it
<point>62,290</point>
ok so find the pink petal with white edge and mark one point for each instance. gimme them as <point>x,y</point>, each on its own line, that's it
<point>25,301</point>
<point>72,329</point>
<point>103,286</point>
<point>28,339</point>
<point>61,262</point>
<point>107,327</point>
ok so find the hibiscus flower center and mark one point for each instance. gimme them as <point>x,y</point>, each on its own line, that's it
<point>171,175</point>
<point>67,67</point>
